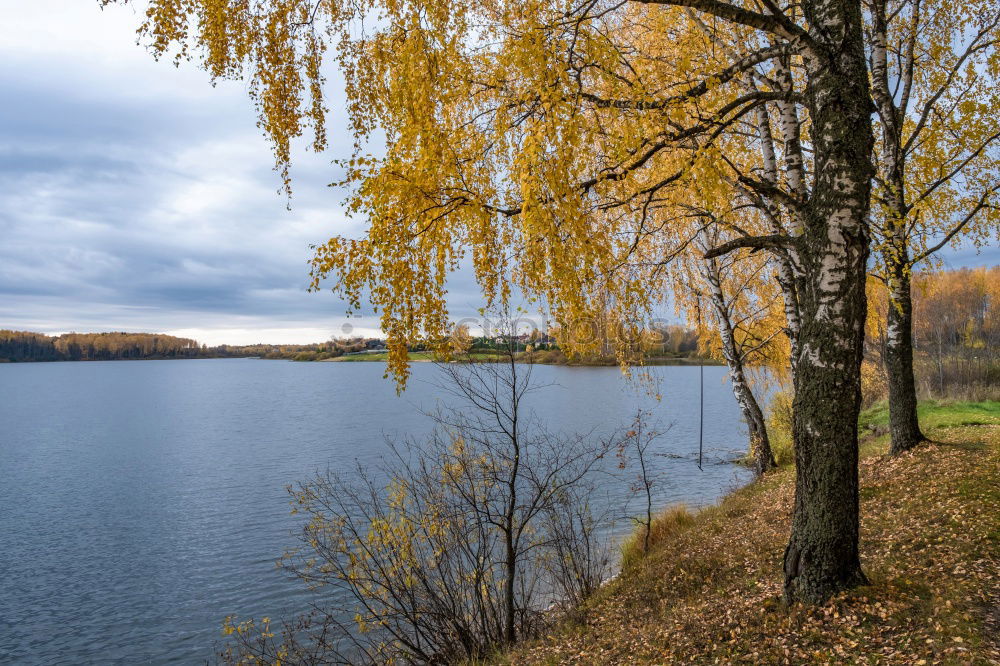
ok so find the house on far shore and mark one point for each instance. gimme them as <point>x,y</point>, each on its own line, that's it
<point>374,344</point>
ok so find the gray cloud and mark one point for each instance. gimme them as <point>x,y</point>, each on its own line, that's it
<point>134,195</point>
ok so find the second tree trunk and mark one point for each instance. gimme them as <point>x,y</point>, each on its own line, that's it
<point>904,427</point>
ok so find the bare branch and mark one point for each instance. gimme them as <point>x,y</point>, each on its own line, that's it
<point>724,76</point>
<point>981,205</point>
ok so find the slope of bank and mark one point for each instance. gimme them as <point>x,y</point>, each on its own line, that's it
<point>709,591</point>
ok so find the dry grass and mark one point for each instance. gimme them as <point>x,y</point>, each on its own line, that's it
<point>709,591</point>
<point>664,529</point>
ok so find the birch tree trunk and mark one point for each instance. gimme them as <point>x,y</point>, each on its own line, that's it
<point>904,427</point>
<point>822,554</point>
<point>786,269</point>
<point>760,444</point>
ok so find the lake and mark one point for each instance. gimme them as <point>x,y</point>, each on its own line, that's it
<point>141,502</point>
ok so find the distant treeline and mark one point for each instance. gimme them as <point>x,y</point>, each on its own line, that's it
<point>956,334</point>
<point>318,351</point>
<point>26,346</point>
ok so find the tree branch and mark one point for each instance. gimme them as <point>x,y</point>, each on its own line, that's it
<point>724,76</point>
<point>782,27</point>
<point>951,174</point>
<point>771,242</point>
<point>980,205</point>
<point>974,46</point>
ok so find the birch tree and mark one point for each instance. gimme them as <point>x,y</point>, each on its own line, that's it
<point>738,345</point>
<point>555,145</point>
<point>733,302</point>
<point>934,71</point>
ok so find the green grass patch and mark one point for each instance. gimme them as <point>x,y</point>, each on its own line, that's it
<point>936,414</point>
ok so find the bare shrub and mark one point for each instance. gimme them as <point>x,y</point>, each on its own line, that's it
<point>578,557</point>
<point>633,452</point>
<point>451,547</point>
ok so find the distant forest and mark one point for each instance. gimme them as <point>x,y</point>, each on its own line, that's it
<point>26,346</point>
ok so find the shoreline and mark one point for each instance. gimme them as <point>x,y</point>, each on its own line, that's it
<point>381,358</point>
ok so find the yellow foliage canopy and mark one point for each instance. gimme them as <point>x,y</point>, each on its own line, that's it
<point>557,149</point>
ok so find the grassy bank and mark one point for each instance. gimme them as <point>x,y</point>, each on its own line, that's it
<point>709,590</point>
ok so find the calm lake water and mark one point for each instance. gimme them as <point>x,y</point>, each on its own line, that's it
<point>142,502</point>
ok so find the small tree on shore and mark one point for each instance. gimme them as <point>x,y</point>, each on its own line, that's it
<point>633,452</point>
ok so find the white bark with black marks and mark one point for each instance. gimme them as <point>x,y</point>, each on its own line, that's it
<point>822,554</point>
<point>760,443</point>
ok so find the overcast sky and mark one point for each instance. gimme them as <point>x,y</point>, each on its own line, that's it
<point>134,196</point>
